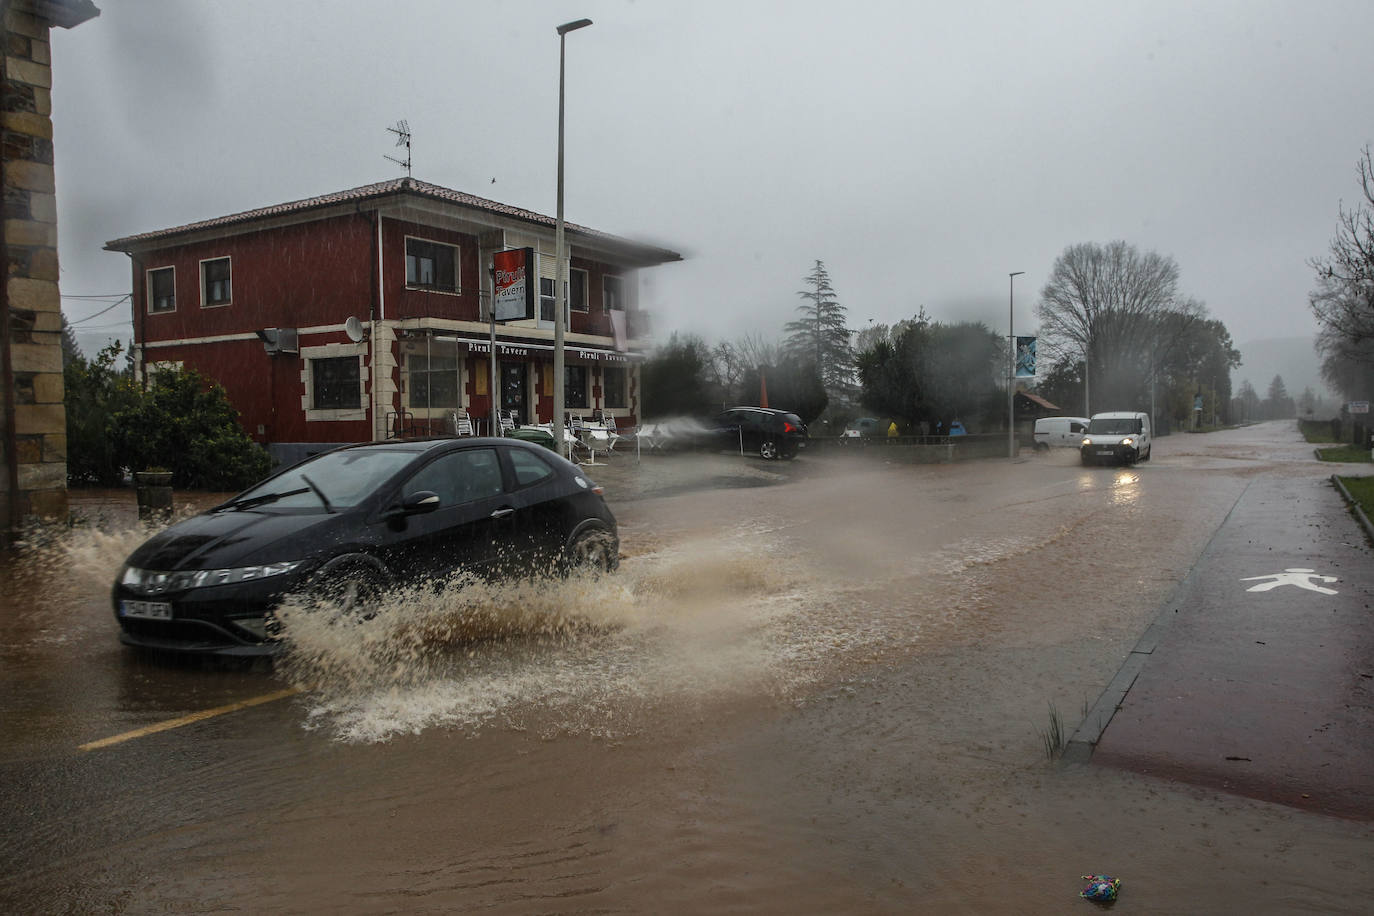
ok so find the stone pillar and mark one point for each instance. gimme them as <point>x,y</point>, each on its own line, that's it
<point>32,418</point>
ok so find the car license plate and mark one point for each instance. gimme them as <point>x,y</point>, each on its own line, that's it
<point>1106,451</point>
<point>147,610</point>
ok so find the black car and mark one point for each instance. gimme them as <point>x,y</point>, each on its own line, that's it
<point>348,523</point>
<point>768,432</point>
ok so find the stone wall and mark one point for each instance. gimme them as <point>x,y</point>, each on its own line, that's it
<point>35,446</point>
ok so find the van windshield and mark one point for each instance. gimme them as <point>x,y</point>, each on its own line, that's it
<point>1113,426</point>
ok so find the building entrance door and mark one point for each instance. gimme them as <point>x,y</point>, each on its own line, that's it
<point>513,391</point>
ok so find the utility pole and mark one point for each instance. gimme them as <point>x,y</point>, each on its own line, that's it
<point>1011,375</point>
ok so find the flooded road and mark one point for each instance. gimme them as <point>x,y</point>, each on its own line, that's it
<point>814,686</point>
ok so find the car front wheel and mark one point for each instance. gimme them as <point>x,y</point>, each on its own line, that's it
<point>593,550</point>
<point>349,590</point>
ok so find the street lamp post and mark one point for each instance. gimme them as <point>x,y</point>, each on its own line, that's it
<point>560,284</point>
<point>1011,374</point>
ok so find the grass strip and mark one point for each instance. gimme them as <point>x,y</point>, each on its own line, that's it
<point>1361,489</point>
<point>1348,454</point>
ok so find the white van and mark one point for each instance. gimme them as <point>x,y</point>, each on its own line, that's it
<point>1057,432</point>
<point>1119,436</point>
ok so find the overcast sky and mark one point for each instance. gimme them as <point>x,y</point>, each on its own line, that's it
<point>922,150</point>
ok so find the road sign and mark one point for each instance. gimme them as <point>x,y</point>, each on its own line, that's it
<point>1359,407</point>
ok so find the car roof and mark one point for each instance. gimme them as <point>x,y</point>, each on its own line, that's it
<point>773,410</point>
<point>419,446</point>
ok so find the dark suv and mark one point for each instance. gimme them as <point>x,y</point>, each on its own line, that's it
<point>771,433</point>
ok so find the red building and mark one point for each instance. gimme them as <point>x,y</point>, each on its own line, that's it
<point>365,314</point>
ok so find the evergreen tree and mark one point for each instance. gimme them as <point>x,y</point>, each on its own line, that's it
<point>674,378</point>
<point>1280,406</point>
<point>71,350</point>
<point>820,336</point>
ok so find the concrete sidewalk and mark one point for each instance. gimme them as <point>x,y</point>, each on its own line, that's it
<point>1258,675</point>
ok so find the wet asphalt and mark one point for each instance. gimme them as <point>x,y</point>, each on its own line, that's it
<point>1257,677</point>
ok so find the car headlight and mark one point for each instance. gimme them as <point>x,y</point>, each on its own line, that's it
<point>1087,441</point>
<point>152,582</point>
<point>1128,441</point>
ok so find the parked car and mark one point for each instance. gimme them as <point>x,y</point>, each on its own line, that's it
<point>1059,432</point>
<point>1121,436</point>
<point>768,432</point>
<point>348,523</point>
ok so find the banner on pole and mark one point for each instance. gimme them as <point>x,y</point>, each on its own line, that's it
<point>513,270</point>
<point>1025,357</point>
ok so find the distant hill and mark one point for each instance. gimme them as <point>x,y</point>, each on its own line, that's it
<point>1294,358</point>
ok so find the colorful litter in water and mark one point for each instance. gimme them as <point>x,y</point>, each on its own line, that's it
<point>1100,889</point>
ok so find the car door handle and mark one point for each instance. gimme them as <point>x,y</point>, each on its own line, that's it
<point>502,513</point>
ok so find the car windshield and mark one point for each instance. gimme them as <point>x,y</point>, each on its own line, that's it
<point>1113,426</point>
<point>345,478</point>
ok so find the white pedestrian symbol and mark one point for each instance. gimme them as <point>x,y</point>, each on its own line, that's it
<point>1294,575</point>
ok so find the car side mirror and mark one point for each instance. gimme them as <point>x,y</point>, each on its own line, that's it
<point>416,504</point>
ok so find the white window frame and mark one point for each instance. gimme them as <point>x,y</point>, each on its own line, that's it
<point>204,290</point>
<point>333,351</point>
<point>149,280</point>
<point>457,265</point>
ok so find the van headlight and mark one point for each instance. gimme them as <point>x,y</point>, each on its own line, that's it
<point>1087,441</point>
<point>152,582</point>
<point>1128,441</point>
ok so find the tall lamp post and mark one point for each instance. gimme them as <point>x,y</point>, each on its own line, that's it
<point>1011,374</point>
<point>560,285</point>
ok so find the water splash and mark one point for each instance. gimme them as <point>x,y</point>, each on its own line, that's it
<point>576,654</point>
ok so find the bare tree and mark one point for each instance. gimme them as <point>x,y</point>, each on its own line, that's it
<point>1117,310</point>
<point>733,361</point>
<point>1343,302</point>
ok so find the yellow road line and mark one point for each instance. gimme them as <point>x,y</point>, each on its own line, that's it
<point>187,720</point>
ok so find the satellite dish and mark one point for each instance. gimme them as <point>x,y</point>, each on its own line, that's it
<point>354,329</point>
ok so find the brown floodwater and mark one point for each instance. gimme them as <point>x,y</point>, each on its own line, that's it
<point>820,686</point>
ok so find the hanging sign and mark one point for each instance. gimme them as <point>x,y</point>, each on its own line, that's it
<point>1025,357</point>
<point>513,270</point>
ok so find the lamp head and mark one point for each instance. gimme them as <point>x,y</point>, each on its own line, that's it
<point>567,27</point>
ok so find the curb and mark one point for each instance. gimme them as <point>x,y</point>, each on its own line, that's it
<point>1081,744</point>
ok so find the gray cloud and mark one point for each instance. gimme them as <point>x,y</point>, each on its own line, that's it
<point>922,150</point>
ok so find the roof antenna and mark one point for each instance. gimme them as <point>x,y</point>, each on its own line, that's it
<point>402,132</point>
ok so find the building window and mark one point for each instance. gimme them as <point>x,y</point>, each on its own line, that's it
<point>433,381</point>
<point>577,290</point>
<point>431,265</point>
<point>335,383</point>
<point>575,386</point>
<point>214,282</point>
<point>546,298</point>
<point>577,294</point>
<point>612,293</point>
<point>613,386</point>
<point>162,289</point>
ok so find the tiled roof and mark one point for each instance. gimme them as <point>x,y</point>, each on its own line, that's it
<point>1037,399</point>
<point>383,189</point>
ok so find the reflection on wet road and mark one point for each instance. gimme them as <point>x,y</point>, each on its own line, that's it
<point>823,694</point>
